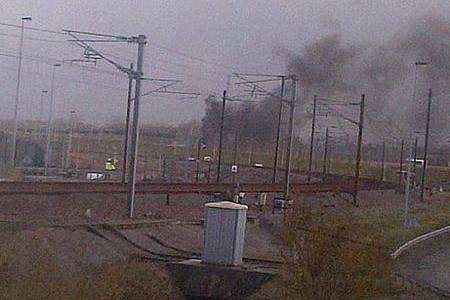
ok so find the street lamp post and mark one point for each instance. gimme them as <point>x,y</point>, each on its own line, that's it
<point>16,103</point>
<point>50,122</point>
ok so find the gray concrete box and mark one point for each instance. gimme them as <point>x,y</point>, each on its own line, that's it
<point>224,233</point>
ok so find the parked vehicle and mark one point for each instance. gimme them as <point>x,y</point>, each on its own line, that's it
<point>418,161</point>
<point>95,176</point>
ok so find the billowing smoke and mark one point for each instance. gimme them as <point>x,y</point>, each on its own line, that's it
<point>385,73</point>
<point>323,63</point>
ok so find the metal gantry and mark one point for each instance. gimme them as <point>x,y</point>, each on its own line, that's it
<point>327,104</point>
<point>257,88</point>
<point>91,54</point>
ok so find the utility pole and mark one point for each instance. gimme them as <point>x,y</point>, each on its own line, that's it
<point>69,143</point>
<point>416,142</point>
<point>219,161</point>
<point>383,154</point>
<point>411,149</point>
<point>41,114</point>
<point>358,151</point>
<point>48,148</point>
<point>291,135</point>
<point>325,154</point>
<point>141,40</point>
<point>90,139</point>
<point>127,125</point>
<point>401,164</point>
<point>164,167</point>
<point>311,146</point>
<point>236,136</point>
<point>425,155</point>
<point>16,103</point>
<point>329,161</point>
<point>41,108</point>
<point>280,114</point>
<point>197,162</point>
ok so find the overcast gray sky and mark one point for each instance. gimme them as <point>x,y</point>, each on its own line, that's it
<point>200,42</point>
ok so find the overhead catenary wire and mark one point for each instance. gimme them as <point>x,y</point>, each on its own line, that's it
<point>184,74</point>
<point>33,38</point>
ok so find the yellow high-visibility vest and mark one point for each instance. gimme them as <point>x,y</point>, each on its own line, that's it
<point>110,165</point>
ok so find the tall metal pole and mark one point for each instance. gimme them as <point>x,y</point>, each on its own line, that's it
<point>164,167</point>
<point>383,154</point>
<point>69,142</point>
<point>127,126</point>
<point>325,154</point>
<point>416,142</point>
<point>16,103</point>
<point>219,161</point>
<point>401,164</point>
<point>311,146</point>
<point>291,136</point>
<point>41,114</point>
<point>90,138</point>
<point>280,114</point>
<point>410,150</point>
<point>197,161</point>
<point>358,151</point>
<point>329,158</point>
<point>141,40</point>
<point>236,137</point>
<point>425,154</point>
<point>48,149</point>
<point>41,108</point>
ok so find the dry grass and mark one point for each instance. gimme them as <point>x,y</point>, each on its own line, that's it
<point>32,271</point>
<point>13,174</point>
<point>430,216</point>
<point>330,256</point>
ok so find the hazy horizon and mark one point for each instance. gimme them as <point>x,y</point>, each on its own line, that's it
<point>199,42</point>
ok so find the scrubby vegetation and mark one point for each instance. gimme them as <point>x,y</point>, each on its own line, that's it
<point>330,255</point>
<point>34,272</point>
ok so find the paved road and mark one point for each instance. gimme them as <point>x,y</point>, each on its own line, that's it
<point>429,263</point>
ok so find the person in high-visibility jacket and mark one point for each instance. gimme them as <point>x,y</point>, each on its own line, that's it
<point>110,164</point>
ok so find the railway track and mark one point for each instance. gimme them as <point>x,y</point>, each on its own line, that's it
<point>332,185</point>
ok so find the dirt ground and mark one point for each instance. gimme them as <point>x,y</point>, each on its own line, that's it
<point>160,232</point>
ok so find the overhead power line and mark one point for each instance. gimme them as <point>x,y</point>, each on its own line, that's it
<point>33,38</point>
<point>32,28</point>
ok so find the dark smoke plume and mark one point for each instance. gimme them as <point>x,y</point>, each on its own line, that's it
<point>385,73</point>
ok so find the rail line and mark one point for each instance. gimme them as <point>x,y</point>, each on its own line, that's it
<point>331,185</point>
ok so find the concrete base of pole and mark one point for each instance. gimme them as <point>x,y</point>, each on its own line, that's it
<point>198,280</point>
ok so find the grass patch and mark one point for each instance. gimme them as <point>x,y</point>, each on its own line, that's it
<point>392,233</point>
<point>330,256</point>
<point>30,269</point>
